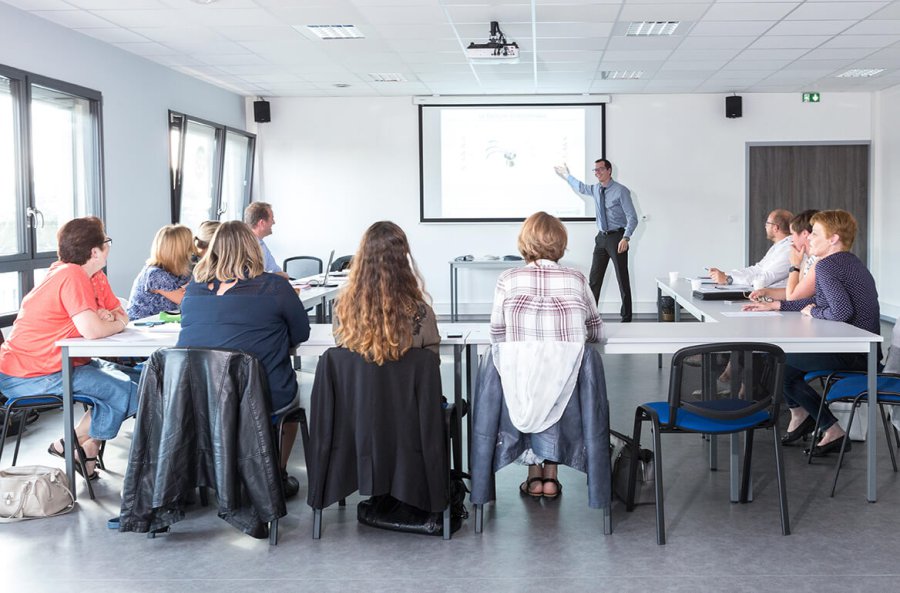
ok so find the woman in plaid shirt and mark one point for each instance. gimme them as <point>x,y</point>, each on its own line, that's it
<point>543,301</point>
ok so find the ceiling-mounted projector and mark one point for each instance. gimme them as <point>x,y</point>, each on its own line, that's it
<point>497,49</point>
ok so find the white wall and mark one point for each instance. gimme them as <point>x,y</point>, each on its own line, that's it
<point>137,95</point>
<point>333,166</point>
<point>886,123</point>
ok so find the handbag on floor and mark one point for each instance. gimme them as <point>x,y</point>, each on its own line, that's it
<point>33,492</point>
<point>644,489</point>
<point>386,512</point>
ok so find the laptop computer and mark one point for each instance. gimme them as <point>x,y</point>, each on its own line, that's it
<point>324,282</point>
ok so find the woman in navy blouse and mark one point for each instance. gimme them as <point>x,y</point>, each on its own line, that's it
<point>845,291</point>
<point>233,303</point>
<point>160,284</point>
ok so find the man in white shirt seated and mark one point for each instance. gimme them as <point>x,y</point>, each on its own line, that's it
<point>772,270</point>
<point>260,218</point>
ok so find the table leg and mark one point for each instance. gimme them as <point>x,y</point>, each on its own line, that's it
<point>872,438</point>
<point>68,419</point>
<point>658,320</point>
<point>735,469</point>
<point>454,302</point>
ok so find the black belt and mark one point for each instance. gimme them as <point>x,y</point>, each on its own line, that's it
<point>612,232</point>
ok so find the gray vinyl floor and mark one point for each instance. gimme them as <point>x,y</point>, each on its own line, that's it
<point>837,544</point>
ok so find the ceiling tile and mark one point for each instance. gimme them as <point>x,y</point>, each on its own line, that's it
<point>146,49</point>
<point>888,27</point>
<point>710,42</point>
<point>790,41</point>
<point>872,41</point>
<point>838,54</point>
<point>729,28</point>
<point>74,19</point>
<point>479,14</point>
<point>749,11</point>
<point>672,11</point>
<point>835,10</point>
<point>114,35</point>
<point>772,54</point>
<point>810,27</point>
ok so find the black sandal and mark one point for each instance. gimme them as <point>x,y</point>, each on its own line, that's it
<point>52,451</point>
<point>558,487</point>
<point>525,487</point>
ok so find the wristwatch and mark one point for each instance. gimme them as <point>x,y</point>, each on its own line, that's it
<point>729,280</point>
<point>793,269</point>
<point>627,239</point>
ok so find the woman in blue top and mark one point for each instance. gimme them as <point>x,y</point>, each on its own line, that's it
<point>160,284</point>
<point>233,303</point>
<point>845,291</point>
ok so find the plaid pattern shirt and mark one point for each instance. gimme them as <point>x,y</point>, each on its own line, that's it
<point>544,301</point>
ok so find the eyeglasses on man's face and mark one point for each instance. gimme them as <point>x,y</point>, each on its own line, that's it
<point>771,223</point>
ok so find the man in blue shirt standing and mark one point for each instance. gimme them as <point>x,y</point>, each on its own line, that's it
<point>616,221</point>
<point>260,218</point>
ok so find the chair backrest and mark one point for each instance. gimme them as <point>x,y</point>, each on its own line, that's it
<point>727,381</point>
<point>378,429</point>
<point>202,413</point>
<point>892,363</point>
<point>301,266</point>
<point>342,263</point>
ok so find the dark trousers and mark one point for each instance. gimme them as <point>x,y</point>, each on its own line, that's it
<point>798,393</point>
<point>606,248</point>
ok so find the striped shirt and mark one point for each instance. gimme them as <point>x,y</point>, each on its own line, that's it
<point>544,301</point>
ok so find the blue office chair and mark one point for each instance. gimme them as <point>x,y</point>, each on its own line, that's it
<point>855,390</point>
<point>697,405</point>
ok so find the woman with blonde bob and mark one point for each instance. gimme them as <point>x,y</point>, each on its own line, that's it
<point>160,284</point>
<point>382,311</point>
<point>543,302</point>
<point>845,291</point>
<point>233,303</point>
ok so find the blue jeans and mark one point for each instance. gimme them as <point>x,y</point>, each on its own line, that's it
<point>111,389</point>
<point>798,393</point>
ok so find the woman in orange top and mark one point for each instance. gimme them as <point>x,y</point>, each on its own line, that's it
<point>68,304</point>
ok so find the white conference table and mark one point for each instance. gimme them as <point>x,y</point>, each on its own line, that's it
<point>482,264</point>
<point>792,331</point>
<point>317,296</point>
<point>142,341</point>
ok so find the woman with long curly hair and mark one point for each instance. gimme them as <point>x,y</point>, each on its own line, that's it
<point>383,309</point>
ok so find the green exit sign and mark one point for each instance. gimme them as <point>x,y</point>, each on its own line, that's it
<point>811,97</point>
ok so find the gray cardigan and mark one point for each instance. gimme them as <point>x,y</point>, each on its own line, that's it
<point>580,439</point>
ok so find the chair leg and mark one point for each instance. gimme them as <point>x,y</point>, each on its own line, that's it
<point>447,530</point>
<point>840,461</point>
<point>658,479</point>
<point>317,523</point>
<point>24,414</point>
<point>102,450</point>
<point>745,478</point>
<point>273,533</point>
<point>81,459</point>
<point>607,520</point>
<point>887,436</point>
<point>782,486</point>
<point>3,433</point>
<point>479,518</point>
<point>304,436</point>
<point>635,454</point>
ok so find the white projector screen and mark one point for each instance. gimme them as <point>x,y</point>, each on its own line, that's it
<point>495,162</point>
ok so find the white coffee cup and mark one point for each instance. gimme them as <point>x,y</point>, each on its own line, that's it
<point>673,277</point>
<point>696,284</point>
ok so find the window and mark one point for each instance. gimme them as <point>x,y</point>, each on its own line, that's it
<point>211,168</point>
<point>50,172</point>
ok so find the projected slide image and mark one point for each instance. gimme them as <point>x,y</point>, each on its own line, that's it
<point>498,163</point>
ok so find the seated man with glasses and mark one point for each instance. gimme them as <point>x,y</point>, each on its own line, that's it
<point>773,269</point>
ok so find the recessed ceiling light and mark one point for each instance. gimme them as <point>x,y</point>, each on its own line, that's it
<point>335,31</point>
<point>387,77</point>
<point>645,28</point>
<point>621,74</point>
<point>861,73</point>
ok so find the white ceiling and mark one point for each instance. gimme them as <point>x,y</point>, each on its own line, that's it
<point>721,46</point>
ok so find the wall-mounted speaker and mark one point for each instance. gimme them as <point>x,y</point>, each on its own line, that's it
<point>734,106</point>
<point>262,113</point>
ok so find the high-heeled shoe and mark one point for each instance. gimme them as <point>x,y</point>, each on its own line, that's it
<point>829,447</point>
<point>802,431</point>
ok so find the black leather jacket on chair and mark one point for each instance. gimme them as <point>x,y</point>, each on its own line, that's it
<point>203,420</point>
<point>580,439</point>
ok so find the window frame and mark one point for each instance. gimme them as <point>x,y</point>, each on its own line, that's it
<point>176,174</point>
<point>26,261</point>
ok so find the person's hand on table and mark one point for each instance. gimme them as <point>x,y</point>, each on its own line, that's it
<point>105,314</point>
<point>718,276</point>
<point>760,295</point>
<point>762,306</point>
